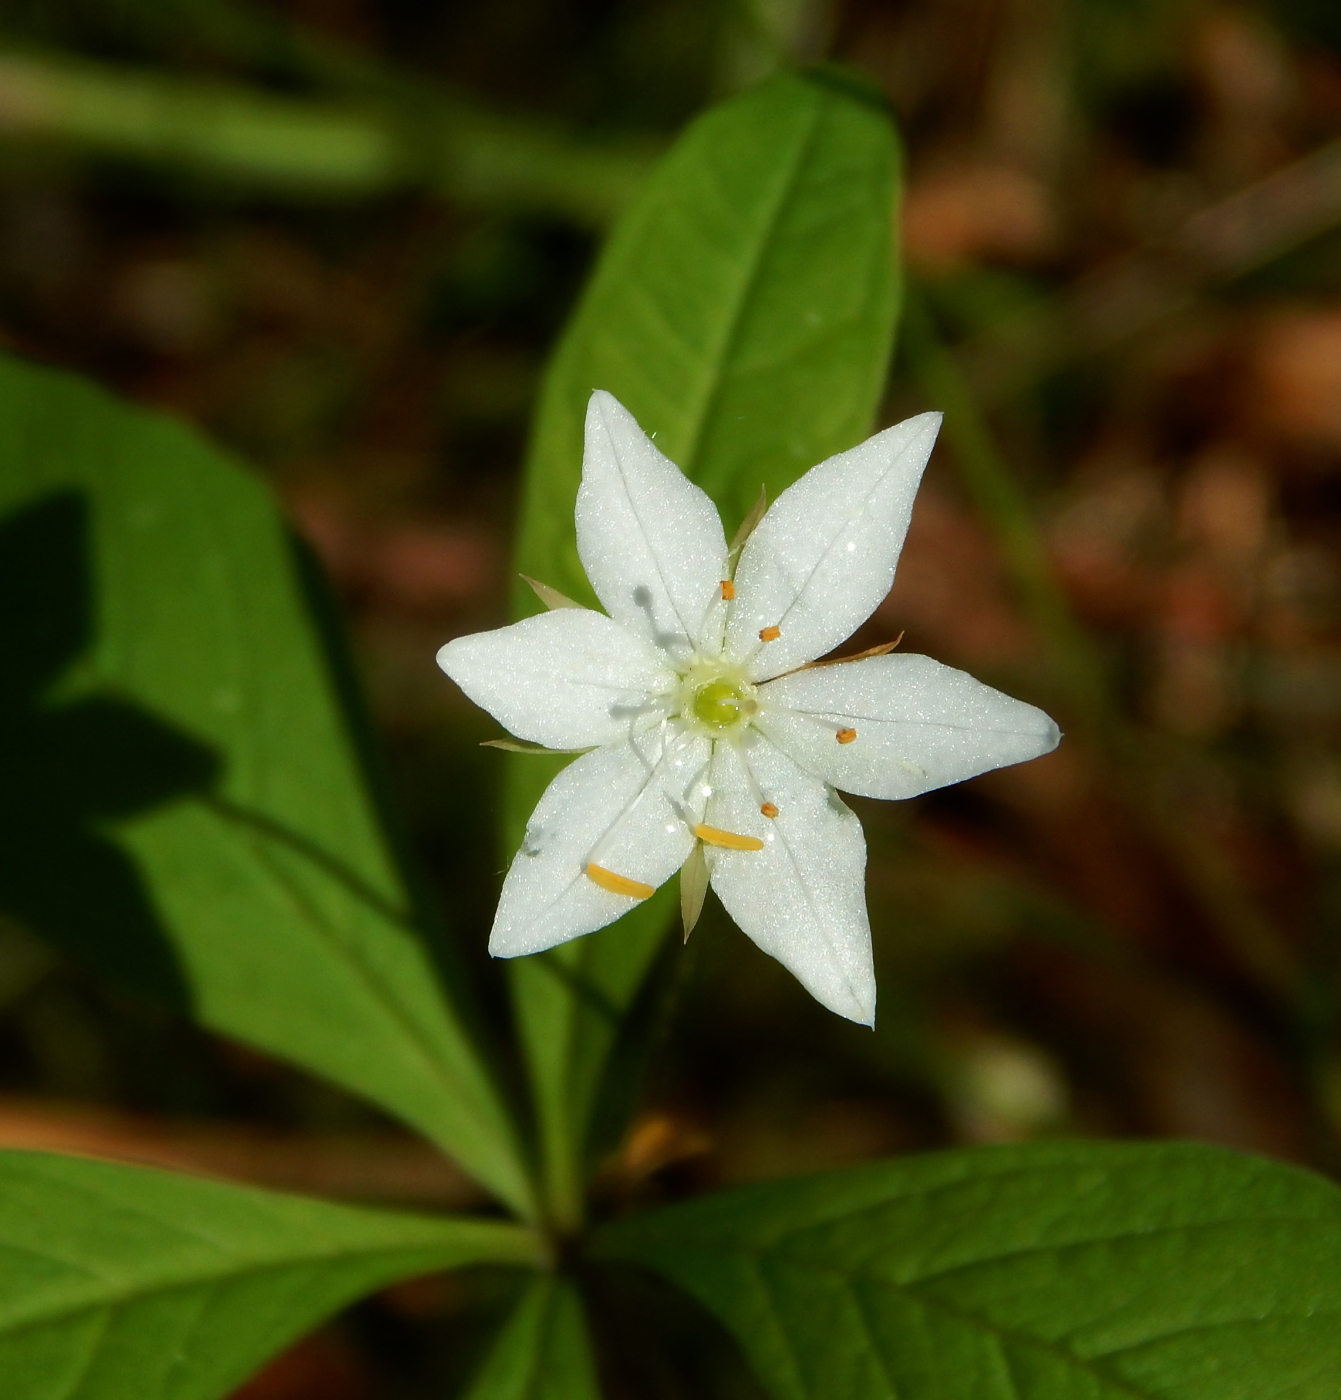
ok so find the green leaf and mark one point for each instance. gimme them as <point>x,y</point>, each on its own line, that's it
<point>1051,1271</point>
<point>116,1281</point>
<point>744,312</point>
<point>543,1352</point>
<point>182,801</point>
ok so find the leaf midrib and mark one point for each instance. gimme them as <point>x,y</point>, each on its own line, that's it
<point>851,1287</point>
<point>442,1072</point>
<point>121,1297</point>
<point>831,1210</point>
<point>853,1280</point>
<point>713,381</point>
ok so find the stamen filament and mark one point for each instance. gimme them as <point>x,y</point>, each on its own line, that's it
<point>619,884</point>
<point>654,772</point>
<point>766,808</point>
<point>731,840</point>
<point>845,734</point>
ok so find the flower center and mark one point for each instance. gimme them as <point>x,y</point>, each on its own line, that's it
<point>718,704</point>
<point>716,699</point>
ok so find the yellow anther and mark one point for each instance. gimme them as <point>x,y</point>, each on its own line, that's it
<point>768,809</point>
<point>728,589</point>
<point>618,884</point>
<point>733,841</point>
<point>846,736</point>
<point>769,634</point>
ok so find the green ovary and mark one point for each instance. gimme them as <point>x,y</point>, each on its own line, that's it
<point>719,705</point>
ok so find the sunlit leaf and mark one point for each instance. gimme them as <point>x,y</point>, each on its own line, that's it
<point>118,1282</point>
<point>182,800</point>
<point>1051,1271</point>
<point>543,1352</point>
<point>743,310</point>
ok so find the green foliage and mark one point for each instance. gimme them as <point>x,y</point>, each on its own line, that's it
<point>1052,1271</point>
<point>744,311</point>
<point>184,805</point>
<point>542,1352</point>
<point>115,1281</point>
<point>245,137</point>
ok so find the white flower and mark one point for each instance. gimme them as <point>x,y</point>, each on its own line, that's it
<point>712,740</point>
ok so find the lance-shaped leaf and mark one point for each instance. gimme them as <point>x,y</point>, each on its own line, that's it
<point>543,1352</point>
<point>117,1281</point>
<point>743,311</point>
<point>183,803</point>
<point>1052,1271</point>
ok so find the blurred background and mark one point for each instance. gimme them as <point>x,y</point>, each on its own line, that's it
<point>342,235</point>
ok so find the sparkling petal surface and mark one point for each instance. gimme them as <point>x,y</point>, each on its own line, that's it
<point>919,725</point>
<point>622,807</point>
<point>566,679</point>
<point>822,559</point>
<point>802,898</point>
<point>650,540</point>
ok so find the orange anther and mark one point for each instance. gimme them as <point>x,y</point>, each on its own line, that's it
<point>731,840</point>
<point>768,809</point>
<point>728,589</point>
<point>618,884</point>
<point>846,736</point>
<point>769,634</point>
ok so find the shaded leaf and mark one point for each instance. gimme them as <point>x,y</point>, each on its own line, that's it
<point>117,1281</point>
<point>543,1352</point>
<point>1051,1271</point>
<point>182,803</point>
<point>743,311</point>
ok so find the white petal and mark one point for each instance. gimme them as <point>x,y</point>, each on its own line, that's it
<point>566,679</point>
<point>617,808</point>
<point>920,725</point>
<point>822,559</point>
<point>650,540</point>
<point>802,898</point>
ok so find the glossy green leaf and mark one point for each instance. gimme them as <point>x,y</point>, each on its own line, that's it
<point>182,802</point>
<point>744,311</point>
<point>543,1352</point>
<point>1052,1271</point>
<point>117,1282</point>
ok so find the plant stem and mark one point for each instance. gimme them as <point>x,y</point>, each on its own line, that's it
<point>334,150</point>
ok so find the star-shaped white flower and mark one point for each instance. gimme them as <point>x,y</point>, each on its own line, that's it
<point>713,739</point>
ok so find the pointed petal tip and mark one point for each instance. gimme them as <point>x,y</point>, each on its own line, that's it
<point>920,425</point>
<point>863,1016</point>
<point>1048,735</point>
<point>853,1011</point>
<point>852,1003</point>
<point>603,404</point>
<point>926,426</point>
<point>507,948</point>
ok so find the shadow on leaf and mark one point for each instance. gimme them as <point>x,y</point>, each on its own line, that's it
<point>71,769</point>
